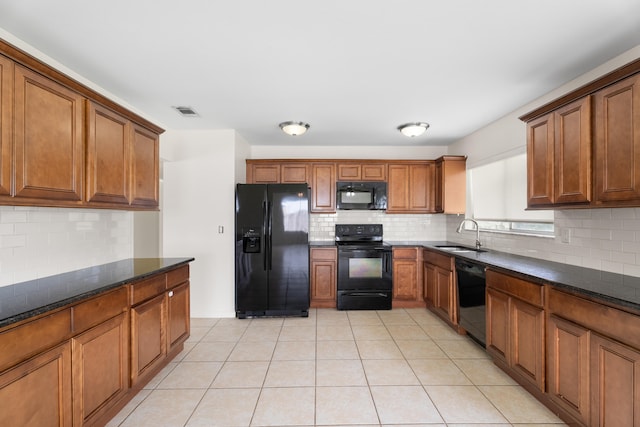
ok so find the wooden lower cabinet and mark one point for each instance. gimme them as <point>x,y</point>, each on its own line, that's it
<point>407,277</point>
<point>593,355</point>
<point>100,369</point>
<point>439,291</point>
<point>178,320</point>
<point>148,344</point>
<point>324,270</point>
<point>37,392</point>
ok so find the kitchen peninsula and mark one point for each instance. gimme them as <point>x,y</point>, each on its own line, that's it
<point>77,346</point>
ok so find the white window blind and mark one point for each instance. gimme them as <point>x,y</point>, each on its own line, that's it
<point>498,192</point>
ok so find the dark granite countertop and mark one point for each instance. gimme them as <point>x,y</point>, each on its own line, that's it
<point>28,299</point>
<point>617,289</point>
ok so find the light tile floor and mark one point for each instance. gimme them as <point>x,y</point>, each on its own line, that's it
<point>334,368</point>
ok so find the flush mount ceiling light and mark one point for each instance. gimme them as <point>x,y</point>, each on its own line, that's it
<point>413,129</point>
<point>294,128</point>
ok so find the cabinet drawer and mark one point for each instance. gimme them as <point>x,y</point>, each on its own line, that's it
<point>527,291</point>
<point>405,253</point>
<point>145,289</point>
<point>177,276</point>
<point>28,339</point>
<point>99,309</point>
<point>437,259</point>
<point>328,254</point>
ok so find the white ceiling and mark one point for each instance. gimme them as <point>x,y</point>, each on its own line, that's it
<point>353,69</point>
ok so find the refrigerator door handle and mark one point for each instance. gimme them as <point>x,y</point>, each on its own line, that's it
<point>264,235</point>
<point>269,230</point>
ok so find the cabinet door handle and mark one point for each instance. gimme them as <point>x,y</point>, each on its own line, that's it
<point>170,294</point>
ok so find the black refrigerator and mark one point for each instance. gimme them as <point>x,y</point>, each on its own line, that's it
<point>272,252</point>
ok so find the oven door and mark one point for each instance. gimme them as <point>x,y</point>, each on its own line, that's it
<point>364,269</point>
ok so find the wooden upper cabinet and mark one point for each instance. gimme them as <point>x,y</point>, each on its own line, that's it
<point>450,185</point>
<point>411,187</point>
<point>572,155</point>
<point>323,187</point>
<point>294,173</point>
<point>617,143</point>
<point>48,138</point>
<point>145,160</point>
<point>108,165</point>
<point>6,99</point>
<point>263,173</point>
<point>540,150</point>
<point>362,171</point>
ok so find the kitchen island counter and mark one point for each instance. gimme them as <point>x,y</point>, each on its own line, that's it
<point>24,300</point>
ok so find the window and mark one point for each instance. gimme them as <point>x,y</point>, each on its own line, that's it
<point>498,199</point>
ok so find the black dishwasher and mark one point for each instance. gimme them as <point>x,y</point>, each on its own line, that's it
<point>471,299</point>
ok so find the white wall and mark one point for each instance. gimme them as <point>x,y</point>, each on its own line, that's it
<point>199,177</point>
<point>298,150</point>
<point>606,239</point>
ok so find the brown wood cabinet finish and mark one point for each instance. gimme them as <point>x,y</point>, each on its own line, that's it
<point>148,339</point>
<point>6,132</point>
<point>617,143</point>
<point>540,149</point>
<point>263,173</point>
<point>593,355</point>
<point>410,187</point>
<point>323,187</point>
<point>324,267</point>
<point>450,187</point>
<point>516,326</point>
<point>178,320</point>
<point>48,139</point>
<point>100,360</point>
<point>439,290</point>
<point>361,171</point>
<point>294,173</point>
<point>108,156</point>
<point>38,391</point>
<point>407,277</point>
<point>145,161</point>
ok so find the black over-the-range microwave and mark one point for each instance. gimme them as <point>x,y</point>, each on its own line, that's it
<point>362,195</point>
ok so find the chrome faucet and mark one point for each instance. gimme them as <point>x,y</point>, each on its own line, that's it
<point>459,230</point>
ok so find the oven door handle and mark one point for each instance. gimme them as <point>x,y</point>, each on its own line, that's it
<point>387,262</point>
<point>366,294</point>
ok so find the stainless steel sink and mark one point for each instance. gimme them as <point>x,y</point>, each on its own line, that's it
<point>458,249</point>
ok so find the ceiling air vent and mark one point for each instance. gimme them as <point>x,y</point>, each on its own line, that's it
<point>186,111</point>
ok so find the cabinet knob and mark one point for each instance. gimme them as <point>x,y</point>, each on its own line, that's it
<point>170,293</point>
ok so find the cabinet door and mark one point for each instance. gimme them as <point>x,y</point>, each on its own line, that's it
<point>38,391</point>
<point>144,167</point>
<point>450,185</point>
<point>323,277</point>
<point>294,173</point>
<point>148,340</point>
<point>263,174</point>
<point>444,289</point>
<point>572,140</point>
<point>323,187</point>
<point>617,145</point>
<point>405,279</point>
<point>568,367</point>
<point>107,174</point>
<point>540,151</point>
<point>374,172</point>
<point>398,188</point>
<point>100,369</point>
<point>178,316</point>
<point>49,144</point>
<point>615,383</point>
<point>421,186</point>
<point>526,341</point>
<point>349,172</point>
<point>497,325</point>
<point>429,279</point>
<point>6,146</point>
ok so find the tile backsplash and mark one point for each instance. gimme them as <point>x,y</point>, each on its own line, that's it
<point>602,239</point>
<point>37,242</point>
<point>396,227</point>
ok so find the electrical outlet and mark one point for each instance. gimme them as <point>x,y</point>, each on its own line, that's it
<point>220,229</point>
<point>565,235</point>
